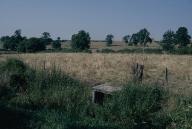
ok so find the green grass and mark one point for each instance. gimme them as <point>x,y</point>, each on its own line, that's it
<point>53,100</point>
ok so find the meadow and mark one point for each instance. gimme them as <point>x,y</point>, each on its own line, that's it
<point>49,89</point>
<point>44,98</point>
<point>98,68</point>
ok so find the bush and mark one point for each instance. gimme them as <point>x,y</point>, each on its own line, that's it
<point>182,51</point>
<point>15,75</point>
<point>55,100</point>
<point>135,107</point>
<point>182,114</point>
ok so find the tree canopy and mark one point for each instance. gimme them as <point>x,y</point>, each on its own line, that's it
<point>142,37</point>
<point>126,38</point>
<point>168,41</point>
<point>109,39</point>
<point>56,44</point>
<point>46,38</point>
<point>81,41</point>
<point>182,37</point>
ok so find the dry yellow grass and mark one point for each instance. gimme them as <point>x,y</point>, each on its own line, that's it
<point>116,68</point>
<point>117,45</point>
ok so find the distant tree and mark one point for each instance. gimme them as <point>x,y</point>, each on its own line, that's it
<point>182,37</point>
<point>34,45</point>
<point>81,41</point>
<point>12,42</point>
<point>57,44</point>
<point>168,41</point>
<point>126,39</point>
<point>109,39</point>
<point>46,35</point>
<point>17,33</point>
<point>22,46</point>
<point>46,38</point>
<point>6,42</point>
<point>134,39</point>
<point>144,37</point>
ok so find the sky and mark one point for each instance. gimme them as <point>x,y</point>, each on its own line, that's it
<point>63,18</point>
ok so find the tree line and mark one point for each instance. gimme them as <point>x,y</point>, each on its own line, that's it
<point>19,43</point>
<point>82,40</point>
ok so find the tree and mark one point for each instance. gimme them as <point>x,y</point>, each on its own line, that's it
<point>57,44</point>
<point>22,46</point>
<point>134,39</point>
<point>34,45</point>
<point>144,37</point>
<point>12,42</point>
<point>46,38</point>
<point>168,41</point>
<point>182,37</point>
<point>109,39</point>
<point>46,35</point>
<point>17,33</point>
<point>81,41</point>
<point>126,38</point>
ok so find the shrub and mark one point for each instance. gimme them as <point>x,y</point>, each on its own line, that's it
<point>182,114</point>
<point>15,75</point>
<point>134,107</point>
<point>182,51</point>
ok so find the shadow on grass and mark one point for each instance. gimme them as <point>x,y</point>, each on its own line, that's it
<point>13,119</point>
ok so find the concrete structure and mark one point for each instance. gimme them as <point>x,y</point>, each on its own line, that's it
<point>101,91</point>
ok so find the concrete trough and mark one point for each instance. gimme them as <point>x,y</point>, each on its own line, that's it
<point>101,91</point>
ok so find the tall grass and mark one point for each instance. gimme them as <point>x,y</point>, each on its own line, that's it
<point>51,99</point>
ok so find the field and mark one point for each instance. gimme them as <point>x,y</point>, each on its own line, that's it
<point>99,45</point>
<point>116,68</point>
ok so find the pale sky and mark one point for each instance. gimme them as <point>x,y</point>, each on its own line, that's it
<point>98,17</point>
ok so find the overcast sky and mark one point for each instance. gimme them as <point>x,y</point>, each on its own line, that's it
<point>99,17</point>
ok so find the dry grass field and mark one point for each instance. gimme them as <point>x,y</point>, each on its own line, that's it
<point>117,45</point>
<point>116,68</point>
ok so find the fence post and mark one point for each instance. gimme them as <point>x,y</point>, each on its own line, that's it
<point>166,75</point>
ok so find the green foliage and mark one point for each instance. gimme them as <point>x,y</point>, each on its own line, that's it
<point>57,44</point>
<point>182,114</point>
<point>126,39</point>
<point>168,41</point>
<point>142,37</point>
<point>54,100</point>
<point>134,107</point>
<point>182,37</point>
<point>183,51</point>
<point>109,39</point>
<point>14,77</point>
<point>34,45</point>
<point>81,41</point>
<point>46,38</point>
<point>12,42</point>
